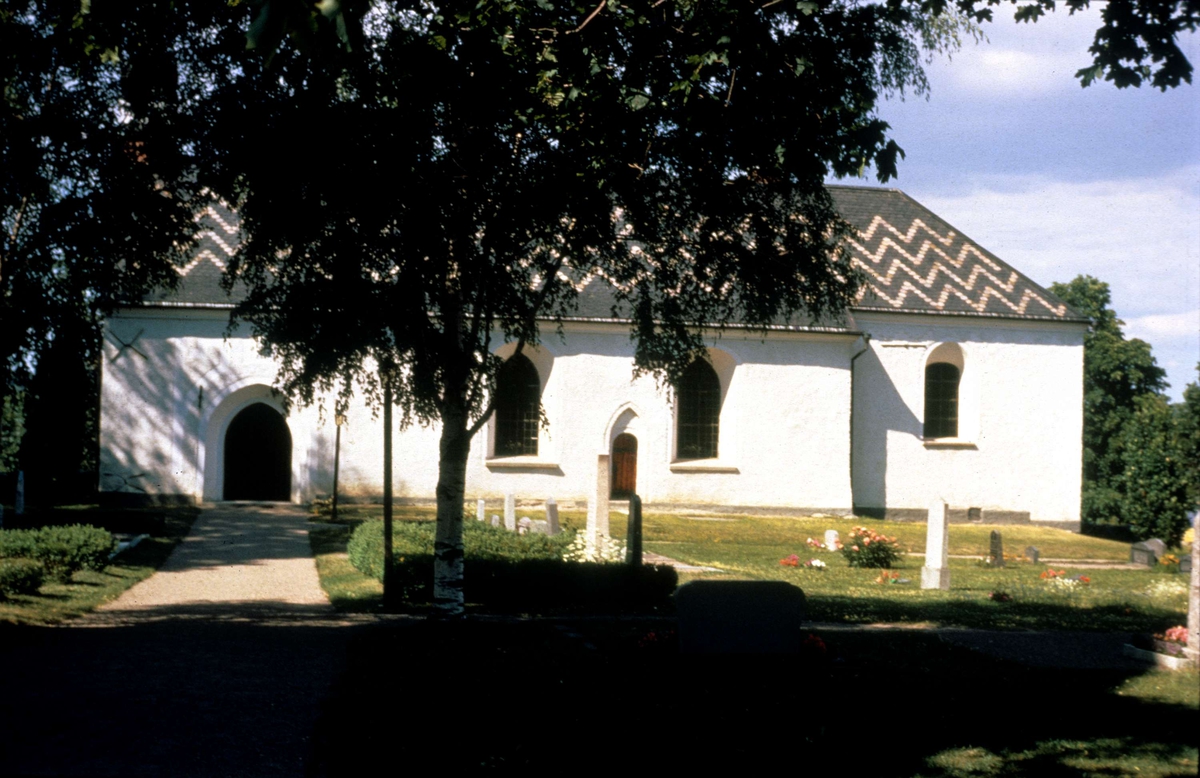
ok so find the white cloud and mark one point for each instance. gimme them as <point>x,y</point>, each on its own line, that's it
<point>1140,235</point>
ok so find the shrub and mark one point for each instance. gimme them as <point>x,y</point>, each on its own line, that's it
<point>20,576</point>
<point>480,541</point>
<point>508,570</point>
<point>864,547</point>
<point>62,550</point>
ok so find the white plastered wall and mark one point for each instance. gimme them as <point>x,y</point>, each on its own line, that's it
<point>1019,446</point>
<point>784,437</point>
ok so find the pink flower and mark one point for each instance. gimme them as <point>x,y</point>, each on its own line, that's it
<point>854,548</point>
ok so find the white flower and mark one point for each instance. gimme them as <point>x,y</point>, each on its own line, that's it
<point>605,549</point>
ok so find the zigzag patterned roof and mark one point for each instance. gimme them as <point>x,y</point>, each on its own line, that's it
<point>914,262</point>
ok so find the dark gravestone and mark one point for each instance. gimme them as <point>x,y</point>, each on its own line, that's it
<point>1185,564</point>
<point>974,514</point>
<point>996,550</point>
<point>633,534</point>
<point>1147,552</point>
<point>1032,553</point>
<point>740,617</point>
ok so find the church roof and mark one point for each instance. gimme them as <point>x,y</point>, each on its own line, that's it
<point>913,262</point>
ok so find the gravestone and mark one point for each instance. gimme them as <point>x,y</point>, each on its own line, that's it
<point>524,525</point>
<point>1032,553</point>
<point>495,520</point>
<point>552,517</point>
<point>19,501</point>
<point>740,617</point>
<point>936,573</point>
<point>633,532</point>
<point>510,512</point>
<point>1147,552</point>
<point>1185,563</point>
<point>539,527</point>
<point>996,550</point>
<point>480,510</point>
<point>832,538</point>
<point>1,517</point>
<point>597,515</point>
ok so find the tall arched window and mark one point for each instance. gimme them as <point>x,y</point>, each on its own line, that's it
<point>518,404</point>
<point>698,416</point>
<point>941,400</point>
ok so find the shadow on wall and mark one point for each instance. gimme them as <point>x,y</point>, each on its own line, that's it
<point>878,410</point>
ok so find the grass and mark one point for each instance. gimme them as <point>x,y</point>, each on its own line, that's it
<point>55,602</point>
<point>751,547</point>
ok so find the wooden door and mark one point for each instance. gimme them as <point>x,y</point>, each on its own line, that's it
<point>624,459</point>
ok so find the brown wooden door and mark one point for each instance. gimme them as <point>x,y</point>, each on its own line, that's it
<point>624,459</point>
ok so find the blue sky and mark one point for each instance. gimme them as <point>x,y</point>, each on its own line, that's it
<point>1059,180</point>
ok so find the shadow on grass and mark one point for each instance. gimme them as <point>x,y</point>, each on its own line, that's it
<point>600,693</point>
<point>861,608</point>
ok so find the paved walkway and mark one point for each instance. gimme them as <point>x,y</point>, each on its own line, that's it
<point>241,560</point>
<point>217,665</point>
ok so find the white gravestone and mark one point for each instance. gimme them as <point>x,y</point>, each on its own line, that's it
<point>480,510</point>
<point>495,520</point>
<point>832,538</point>
<point>597,515</point>
<point>524,525</point>
<point>510,512</point>
<point>552,527</point>
<point>936,574</point>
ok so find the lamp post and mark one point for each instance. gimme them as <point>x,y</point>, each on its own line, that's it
<point>338,421</point>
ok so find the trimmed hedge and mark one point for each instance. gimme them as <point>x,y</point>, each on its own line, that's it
<point>510,571</point>
<point>412,539</point>
<point>20,576</point>
<point>62,550</point>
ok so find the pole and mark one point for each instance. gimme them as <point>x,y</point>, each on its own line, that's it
<point>388,588</point>
<point>337,455</point>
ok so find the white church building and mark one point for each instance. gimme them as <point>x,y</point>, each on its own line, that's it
<point>954,377</point>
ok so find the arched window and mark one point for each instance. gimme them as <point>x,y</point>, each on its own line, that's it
<point>698,412</point>
<point>941,400</point>
<point>518,404</point>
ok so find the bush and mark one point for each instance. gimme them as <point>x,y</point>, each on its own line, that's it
<point>864,547</point>
<point>20,576</point>
<point>480,541</point>
<point>62,550</point>
<point>507,570</point>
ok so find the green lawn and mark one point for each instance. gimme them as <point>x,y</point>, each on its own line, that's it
<point>751,547</point>
<point>57,602</point>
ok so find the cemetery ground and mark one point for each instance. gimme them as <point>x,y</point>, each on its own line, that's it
<point>548,691</point>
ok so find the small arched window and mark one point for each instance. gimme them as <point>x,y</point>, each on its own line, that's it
<point>941,400</point>
<point>518,408</point>
<point>698,412</point>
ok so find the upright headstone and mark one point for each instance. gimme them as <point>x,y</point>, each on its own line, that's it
<point>495,520</point>
<point>996,550</point>
<point>936,574</point>
<point>1147,552</point>
<point>552,525</point>
<point>19,502</point>
<point>1,517</point>
<point>1192,649</point>
<point>633,534</point>
<point>832,538</point>
<point>1032,553</point>
<point>740,617</point>
<point>524,525</point>
<point>510,512</point>
<point>597,515</point>
<point>480,510</point>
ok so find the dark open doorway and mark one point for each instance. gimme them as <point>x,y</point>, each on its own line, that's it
<point>258,455</point>
<point>624,464</point>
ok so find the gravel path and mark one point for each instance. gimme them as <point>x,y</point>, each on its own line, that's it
<point>216,665</point>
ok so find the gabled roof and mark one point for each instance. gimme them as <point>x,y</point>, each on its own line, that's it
<point>914,262</point>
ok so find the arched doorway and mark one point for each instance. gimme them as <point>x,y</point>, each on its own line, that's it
<point>258,455</point>
<point>624,465</point>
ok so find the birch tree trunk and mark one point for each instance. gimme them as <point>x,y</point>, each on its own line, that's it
<point>451,490</point>
<point>1193,615</point>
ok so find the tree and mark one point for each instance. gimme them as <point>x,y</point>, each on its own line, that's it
<point>94,197</point>
<point>1116,372</point>
<point>1151,474</point>
<point>452,180</point>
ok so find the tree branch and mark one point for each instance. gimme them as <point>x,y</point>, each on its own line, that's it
<point>591,16</point>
